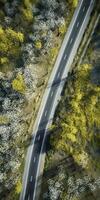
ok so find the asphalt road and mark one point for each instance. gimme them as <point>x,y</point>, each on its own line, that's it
<point>29,193</point>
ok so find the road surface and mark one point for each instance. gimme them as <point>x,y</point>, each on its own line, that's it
<point>72,44</point>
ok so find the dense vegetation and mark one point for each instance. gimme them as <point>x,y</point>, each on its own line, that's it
<point>72,169</point>
<point>31,32</point>
<point>41,24</point>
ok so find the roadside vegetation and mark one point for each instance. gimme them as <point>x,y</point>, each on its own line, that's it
<point>31,32</point>
<point>72,167</point>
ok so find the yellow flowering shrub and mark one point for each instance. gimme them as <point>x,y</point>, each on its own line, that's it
<point>4,60</point>
<point>18,83</point>
<point>62,29</point>
<point>38,44</point>
<point>3,119</point>
<point>27,14</point>
<point>18,187</point>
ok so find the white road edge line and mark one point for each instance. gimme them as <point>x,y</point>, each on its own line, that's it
<point>45,131</point>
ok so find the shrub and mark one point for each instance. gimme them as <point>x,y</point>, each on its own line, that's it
<point>4,60</point>
<point>62,29</point>
<point>18,83</point>
<point>38,44</point>
<point>18,187</point>
<point>27,14</point>
<point>3,119</point>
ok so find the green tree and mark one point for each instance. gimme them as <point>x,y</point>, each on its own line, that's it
<point>10,41</point>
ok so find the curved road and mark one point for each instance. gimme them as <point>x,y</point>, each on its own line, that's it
<point>77,31</point>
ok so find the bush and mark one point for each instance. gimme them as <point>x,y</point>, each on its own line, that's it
<point>27,14</point>
<point>10,41</point>
<point>38,44</point>
<point>4,60</point>
<point>18,83</point>
<point>62,29</point>
<point>18,187</point>
<point>3,120</point>
<point>73,3</point>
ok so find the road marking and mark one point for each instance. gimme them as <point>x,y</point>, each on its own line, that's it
<point>84,9</point>
<point>71,40</point>
<point>31,178</point>
<point>52,94</point>
<point>65,57</point>
<point>77,24</point>
<point>58,75</point>
<point>38,137</point>
<point>34,159</point>
<point>45,113</point>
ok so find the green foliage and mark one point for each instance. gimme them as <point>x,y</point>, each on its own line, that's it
<point>2,15</point>
<point>80,117</point>
<point>53,52</point>
<point>17,36</point>
<point>73,3</point>
<point>18,83</point>
<point>26,10</point>
<point>38,44</point>
<point>27,14</point>
<point>4,120</point>
<point>62,29</point>
<point>18,187</point>
<point>10,41</point>
<point>4,60</point>
<point>28,3</point>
